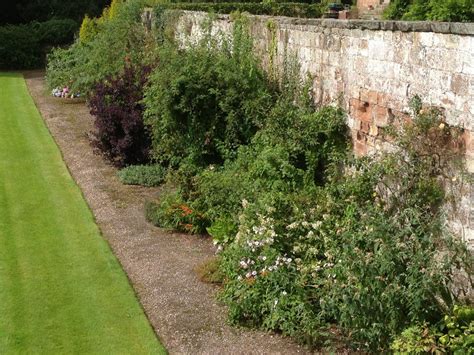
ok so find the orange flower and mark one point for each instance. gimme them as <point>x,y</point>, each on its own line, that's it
<point>186,210</point>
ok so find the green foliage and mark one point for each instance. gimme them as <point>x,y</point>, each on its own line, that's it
<point>457,330</point>
<point>119,39</point>
<point>361,250</point>
<point>174,214</point>
<point>454,335</point>
<point>435,10</point>
<point>204,102</point>
<point>291,9</point>
<point>24,46</point>
<point>276,162</point>
<point>88,29</point>
<point>415,340</point>
<point>144,175</point>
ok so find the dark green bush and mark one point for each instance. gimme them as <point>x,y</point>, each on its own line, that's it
<point>19,49</point>
<point>24,46</point>
<point>291,9</point>
<point>144,175</point>
<point>203,103</point>
<point>435,10</point>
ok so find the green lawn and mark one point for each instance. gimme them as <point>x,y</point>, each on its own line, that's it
<point>61,288</point>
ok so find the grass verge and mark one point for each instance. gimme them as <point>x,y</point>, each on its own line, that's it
<point>61,288</point>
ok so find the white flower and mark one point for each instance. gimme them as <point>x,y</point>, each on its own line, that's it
<point>254,273</point>
<point>239,278</point>
<point>245,203</point>
<point>284,293</point>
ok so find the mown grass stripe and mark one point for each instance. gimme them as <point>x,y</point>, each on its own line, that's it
<point>61,288</point>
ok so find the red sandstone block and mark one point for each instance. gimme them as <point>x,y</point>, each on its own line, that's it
<point>364,114</point>
<point>381,116</point>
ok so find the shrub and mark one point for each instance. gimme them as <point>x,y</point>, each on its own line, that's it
<point>55,32</point>
<point>203,103</point>
<point>119,39</point>
<point>120,134</point>
<point>18,48</point>
<point>144,175</point>
<point>174,214</point>
<point>454,335</point>
<point>436,10</point>
<point>365,250</point>
<point>88,30</point>
<point>24,46</point>
<point>278,162</point>
<point>291,9</point>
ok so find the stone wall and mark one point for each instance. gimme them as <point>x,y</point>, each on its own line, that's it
<point>373,68</point>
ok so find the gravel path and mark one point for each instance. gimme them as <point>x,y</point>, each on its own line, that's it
<point>182,310</point>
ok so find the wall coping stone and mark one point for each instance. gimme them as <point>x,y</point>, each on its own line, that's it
<point>456,28</point>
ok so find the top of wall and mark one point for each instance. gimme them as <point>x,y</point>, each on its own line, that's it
<point>457,28</point>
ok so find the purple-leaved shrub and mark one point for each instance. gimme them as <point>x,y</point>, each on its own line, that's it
<point>120,134</point>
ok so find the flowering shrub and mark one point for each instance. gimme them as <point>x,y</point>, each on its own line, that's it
<point>120,134</point>
<point>171,212</point>
<point>366,251</point>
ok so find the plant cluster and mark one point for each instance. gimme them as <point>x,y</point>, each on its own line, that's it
<point>434,10</point>
<point>366,251</point>
<point>454,335</point>
<point>143,175</point>
<point>312,241</point>
<point>107,43</point>
<point>203,103</point>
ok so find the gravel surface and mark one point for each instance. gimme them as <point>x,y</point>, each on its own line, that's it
<point>159,264</point>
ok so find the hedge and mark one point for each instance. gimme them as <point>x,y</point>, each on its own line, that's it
<point>274,9</point>
<point>24,46</point>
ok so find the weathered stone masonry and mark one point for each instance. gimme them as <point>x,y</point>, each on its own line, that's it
<point>373,68</point>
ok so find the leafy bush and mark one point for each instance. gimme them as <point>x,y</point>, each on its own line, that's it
<point>88,30</point>
<point>144,175</point>
<point>366,250</point>
<point>291,9</point>
<point>436,10</point>
<point>18,48</point>
<point>278,162</point>
<point>24,46</point>
<point>120,134</point>
<point>454,335</point>
<point>174,214</point>
<point>202,103</point>
<point>120,38</point>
